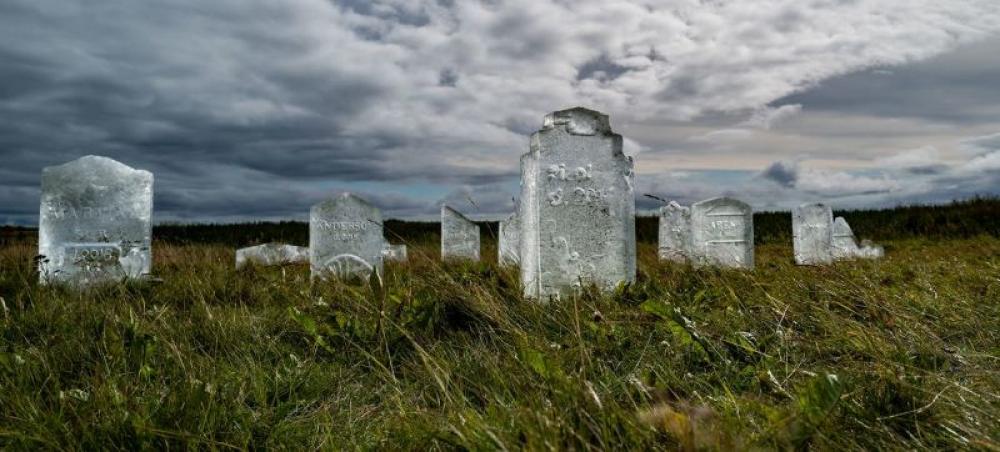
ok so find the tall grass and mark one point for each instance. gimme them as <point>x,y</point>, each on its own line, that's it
<point>900,353</point>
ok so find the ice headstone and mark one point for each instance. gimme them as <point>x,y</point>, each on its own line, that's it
<point>459,236</point>
<point>395,253</point>
<point>95,222</point>
<point>675,232</point>
<point>272,254</point>
<point>812,234</point>
<point>722,233</point>
<point>843,243</point>
<point>577,206</point>
<point>509,240</point>
<point>345,237</point>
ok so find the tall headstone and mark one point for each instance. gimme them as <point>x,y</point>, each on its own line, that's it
<point>272,254</point>
<point>345,237</point>
<point>675,232</point>
<point>459,236</point>
<point>722,233</point>
<point>577,206</point>
<point>812,234</point>
<point>95,222</point>
<point>509,240</point>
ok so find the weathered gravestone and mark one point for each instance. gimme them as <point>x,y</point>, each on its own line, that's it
<point>345,237</point>
<point>395,253</point>
<point>812,234</point>
<point>722,233</point>
<point>272,254</point>
<point>509,240</point>
<point>845,245</point>
<point>577,206</point>
<point>95,222</point>
<point>675,233</point>
<point>459,236</point>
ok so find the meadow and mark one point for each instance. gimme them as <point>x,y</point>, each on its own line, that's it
<point>899,353</point>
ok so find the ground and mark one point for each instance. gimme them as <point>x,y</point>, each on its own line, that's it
<point>900,353</point>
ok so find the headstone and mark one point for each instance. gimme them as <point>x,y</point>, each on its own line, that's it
<point>812,234</point>
<point>722,233</point>
<point>95,222</point>
<point>509,240</point>
<point>577,206</point>
<point>345,237</point>
<point>870,250</point>
<point>395,253</point>
<point>675,232</point>
<point>459,236</point>
<point>843,243</point>
<point>272,254</point>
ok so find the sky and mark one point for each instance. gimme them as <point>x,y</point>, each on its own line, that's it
<point>250,110</point>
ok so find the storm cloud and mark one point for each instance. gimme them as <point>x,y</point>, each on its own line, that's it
<point>254,109</point>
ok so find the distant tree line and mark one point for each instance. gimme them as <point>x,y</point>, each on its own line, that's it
<point>960,219</point>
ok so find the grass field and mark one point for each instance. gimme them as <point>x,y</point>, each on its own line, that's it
<point>902,353</point>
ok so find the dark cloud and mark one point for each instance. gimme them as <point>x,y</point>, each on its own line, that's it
<point>783,173</point>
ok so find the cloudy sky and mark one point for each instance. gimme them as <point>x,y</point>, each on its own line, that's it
<point>254,109</point>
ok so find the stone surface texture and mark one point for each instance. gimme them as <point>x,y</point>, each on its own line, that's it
<point>272,254</point>
<point>509,240</point>
<point>674,233</point>
<point>812,234</point>
<point>845,245</point>
<point>722,233</point>
<point>459,236</point>
<point>577,211</point>
<point>95,222</point>
<point>345,237</point>
<point>395,253</point>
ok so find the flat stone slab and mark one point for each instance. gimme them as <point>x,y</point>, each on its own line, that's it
<point>395,253</point>
<point>812,234</point>
<point>674,233</point>
<point>577,206</point>
<point>95,222</point>
<point>459,236</point>
<point>345,238</point>
<point>272,254</point>
<point>509,240</point>
<point>722,233</point>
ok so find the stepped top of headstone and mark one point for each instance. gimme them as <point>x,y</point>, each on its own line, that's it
<point>343,199</point>
<point>722,200</point>
<point>447,210</point>
<point>98,167</point>
<point>578,121</point>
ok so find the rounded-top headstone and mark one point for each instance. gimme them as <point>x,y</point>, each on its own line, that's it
<point>722,233</point>
<point>345,237</point>
<point>95,221</point>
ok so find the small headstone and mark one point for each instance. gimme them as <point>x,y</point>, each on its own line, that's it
<point>345,237</point>
<point>812,234</point>
<point>509,240</point>
<point>395,253</point>
<point>459,236</point>
<point>577,206</point>
<point>272,254</point>
<point>95,222</point>
<point>722,233</point>
<point>843,243</point>
<point>675,232</point>
<point>870,250</point>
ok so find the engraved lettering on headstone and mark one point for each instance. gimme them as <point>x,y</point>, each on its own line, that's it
<point>722,233</point>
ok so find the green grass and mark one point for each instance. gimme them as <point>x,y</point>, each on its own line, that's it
<point>900,353</point>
